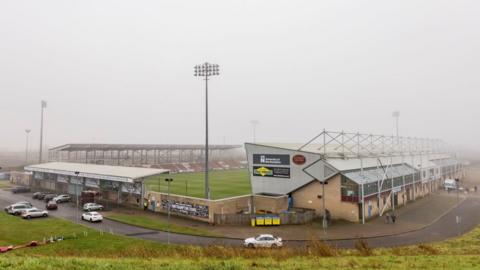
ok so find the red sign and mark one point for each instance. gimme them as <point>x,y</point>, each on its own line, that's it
<point>299,159</point>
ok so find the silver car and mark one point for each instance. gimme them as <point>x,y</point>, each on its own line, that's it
<point>92,207</point>
<point>16,209</point>
<point>33,213</point>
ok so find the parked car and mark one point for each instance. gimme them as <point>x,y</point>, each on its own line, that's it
<point>37,195</point>
<point>92,207</point>
<point>33,213</point>
<point>263,240</point>
<point>450,184</point>
<point>62,198</point>
<point>20,189</point>
<point>92,217</point>
<point>26,203</point>
<point>52,205</point>
<point>49,197</point>
<point>16,209</point>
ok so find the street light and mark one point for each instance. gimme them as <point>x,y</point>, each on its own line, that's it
<point>206,70</point>
<point>76,196</point>
<point>254,124</point>
<point>44,105</point>
<point>27,132</point>
<point>396,115</point>
<point>168,180</point>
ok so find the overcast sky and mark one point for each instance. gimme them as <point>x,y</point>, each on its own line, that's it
<point>122,71</point>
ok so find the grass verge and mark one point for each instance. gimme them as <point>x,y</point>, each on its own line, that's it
<point>157,224</point>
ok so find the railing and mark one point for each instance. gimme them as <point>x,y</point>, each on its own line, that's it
<point>345,144</point>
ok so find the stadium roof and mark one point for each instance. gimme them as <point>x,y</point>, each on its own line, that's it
<point>354,163</point>
<point>114,173</point>
<point>123,147</point>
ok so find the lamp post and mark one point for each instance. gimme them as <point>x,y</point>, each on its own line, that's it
<point>206,70</point>
<point>396,115</point>
<point>254,125</point>
<point>168,180</point>
<point>76,196</point>
<point>27,132</point>
<point>43,106</point>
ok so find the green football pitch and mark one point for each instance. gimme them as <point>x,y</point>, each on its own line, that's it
<point>223,184</point>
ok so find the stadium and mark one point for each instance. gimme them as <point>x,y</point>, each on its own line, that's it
<point>352,176</point>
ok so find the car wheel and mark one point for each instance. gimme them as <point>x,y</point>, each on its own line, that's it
<point>45,215</point>
<point>274,246</point>
<point>28,217</point>
<point>250,245</point>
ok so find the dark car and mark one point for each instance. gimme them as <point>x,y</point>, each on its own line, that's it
<point>38,195</point>
<point>49,197</point>
<point>51,205</point>
<point>20,189</point>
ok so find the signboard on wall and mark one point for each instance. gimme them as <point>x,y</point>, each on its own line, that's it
<point>189,209</point>
<point>62,178</point>
<point>135,188</point>
<point>90,182</point>
<point>270,159</point>
<point>267,171</point>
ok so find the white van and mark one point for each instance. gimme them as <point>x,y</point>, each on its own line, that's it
<point>450,184</point>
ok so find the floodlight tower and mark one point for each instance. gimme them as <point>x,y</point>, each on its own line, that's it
<point>27,132</point>
<point>206,70</point>
<point>254,125</point>
<point>396,115</point>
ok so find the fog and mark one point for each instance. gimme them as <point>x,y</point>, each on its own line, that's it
<point>122,71</point>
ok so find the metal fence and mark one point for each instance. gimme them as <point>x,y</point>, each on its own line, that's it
<point>304,216</point>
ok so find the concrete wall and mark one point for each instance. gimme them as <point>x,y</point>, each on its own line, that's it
<point>21,178</point>
<point>309,197</point>
<point>234,205</point>
<point>298,176</point>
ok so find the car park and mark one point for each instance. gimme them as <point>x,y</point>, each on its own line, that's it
<point>20,189</point>
<point>263,240</point>
<point>38,195</point>
<point>49,197</point>
<point>62,198</point>
<point>92,207</point>
<point>33,213</point>
<point>16,209</point>
<point>92,217</point>
<point>51,205</point>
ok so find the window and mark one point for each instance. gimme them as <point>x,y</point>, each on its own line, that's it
<point>349,189</point>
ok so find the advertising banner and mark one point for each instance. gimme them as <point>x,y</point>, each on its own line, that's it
<point>267,171</point>
<point>267,159</point>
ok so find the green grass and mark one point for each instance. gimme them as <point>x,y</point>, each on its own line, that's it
<point>223,184</point>
<point>105,251</point>
<point>380,262</point>
<point>5,184</point>
<point>157,224</point>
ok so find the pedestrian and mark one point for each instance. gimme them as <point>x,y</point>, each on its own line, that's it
<point>387,218</point>
<point>394,218</point>
<point>328,216</point>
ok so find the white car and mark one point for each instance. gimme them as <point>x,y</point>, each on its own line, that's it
<point>33,213</point>
<point>263,240</point>
<point>92,207</point>
<point>92,217</point>
<point>16,209</point>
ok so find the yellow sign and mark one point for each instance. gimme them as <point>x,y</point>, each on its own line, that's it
<point>264,171</point>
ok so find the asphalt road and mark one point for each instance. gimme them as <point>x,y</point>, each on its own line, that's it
<point>444,228</point>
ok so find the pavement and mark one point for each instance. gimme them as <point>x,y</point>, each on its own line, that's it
<point>418,223</point>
